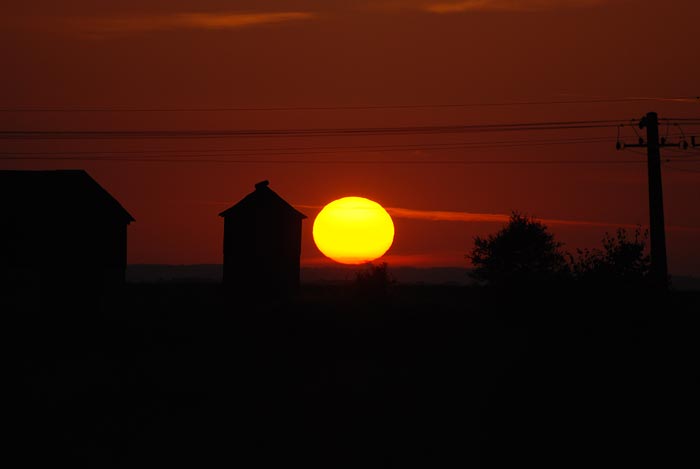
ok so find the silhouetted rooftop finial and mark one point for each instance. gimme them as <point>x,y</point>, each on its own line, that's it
<point>262,185</point>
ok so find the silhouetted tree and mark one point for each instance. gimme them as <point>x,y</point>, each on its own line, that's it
<point>374,281</point>
<point>622,261</point>
<point>523,252</point>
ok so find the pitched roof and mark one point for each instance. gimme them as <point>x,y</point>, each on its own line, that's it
<point>70,192</point>
<point>261,197</point>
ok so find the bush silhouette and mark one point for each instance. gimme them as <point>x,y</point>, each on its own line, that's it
<point>373,282</point>
<point>622,261</point>
<point>523,252</point>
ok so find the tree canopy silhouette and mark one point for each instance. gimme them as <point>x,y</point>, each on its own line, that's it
<point>522,252</point>
<point>622,261</point>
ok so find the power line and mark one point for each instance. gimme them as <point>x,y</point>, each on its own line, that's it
<point>331,162</point>
<point>324,150</point>
<point>244,155</point>
<point>241,155</point>
<point>302,132</point>
<point>342,148</point>
<point>205,158</point>
<point>408,146</point>
<point>680,99</point>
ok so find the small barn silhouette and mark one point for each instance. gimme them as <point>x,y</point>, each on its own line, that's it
<point>62,236</point>
<point>262,244</point>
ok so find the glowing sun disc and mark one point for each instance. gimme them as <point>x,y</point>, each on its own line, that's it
<point>353,230</point>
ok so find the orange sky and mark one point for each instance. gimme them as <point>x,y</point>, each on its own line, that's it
<point>333,53</point>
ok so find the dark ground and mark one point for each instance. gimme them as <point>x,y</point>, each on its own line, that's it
<point>176,375</point>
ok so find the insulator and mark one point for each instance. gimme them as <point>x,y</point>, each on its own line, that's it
<point>684,145</point>
<point>618,146</point>
<point>641,141</point>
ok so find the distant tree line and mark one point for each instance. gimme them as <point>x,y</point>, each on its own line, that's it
<point>525,253</point>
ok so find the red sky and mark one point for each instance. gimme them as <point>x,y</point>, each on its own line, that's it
<point>78,54</point>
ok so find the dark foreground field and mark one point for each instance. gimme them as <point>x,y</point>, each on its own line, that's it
<point>176,375</point>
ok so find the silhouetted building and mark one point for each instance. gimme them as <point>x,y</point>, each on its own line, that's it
<point>262,244</point>
<point>62,236</point>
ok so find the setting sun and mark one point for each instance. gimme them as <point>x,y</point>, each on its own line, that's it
<point>353,230</point>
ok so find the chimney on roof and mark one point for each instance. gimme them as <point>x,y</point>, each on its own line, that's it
<point>262,185</point>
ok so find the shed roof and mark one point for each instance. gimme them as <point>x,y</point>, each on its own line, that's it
<point>261,197</point>
<point>70,192</point>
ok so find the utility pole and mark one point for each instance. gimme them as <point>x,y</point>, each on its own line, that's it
<point>657,228</point>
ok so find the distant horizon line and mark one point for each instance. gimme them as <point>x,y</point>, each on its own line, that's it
<point>349,266</point>
<point>343,266</point>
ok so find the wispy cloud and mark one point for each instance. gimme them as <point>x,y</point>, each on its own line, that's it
<point>505,5</point>
<point>478,217</point>
<point>474,217</point>
<point>180,21</point>
<point>441,215</point>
